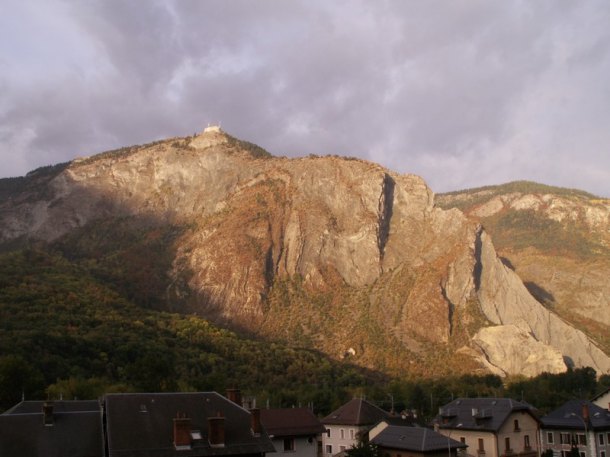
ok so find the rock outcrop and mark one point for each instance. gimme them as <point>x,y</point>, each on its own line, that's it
<point>509,350</point>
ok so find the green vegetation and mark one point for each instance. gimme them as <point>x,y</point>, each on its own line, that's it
<point>528,228</point>
<point>255,150</point>
<point>32,183</point>
<point>67,333</point>
<point>64,332</point>
<point>476,196</point>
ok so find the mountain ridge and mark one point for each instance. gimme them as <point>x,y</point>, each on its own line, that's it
<point>264,239</point>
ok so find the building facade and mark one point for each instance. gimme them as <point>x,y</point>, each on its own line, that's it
<point>491,427</point>
<point>578,427</point>
<point>347,424</point>
<point>293,431</point>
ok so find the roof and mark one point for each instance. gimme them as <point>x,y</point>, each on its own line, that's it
<point>290,422</point>
<point>356,412</point>
<point>402,420</point>
<point>76,430</point>
<point>570,416</point>
<point>141,425</point>
<point>601,394</point>
<point>486,414</point>
<point>415,439</point>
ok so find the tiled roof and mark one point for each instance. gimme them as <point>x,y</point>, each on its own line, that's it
<point>141,425</point>
<point>76,430</point>
<point>290,422</point>
<point>415,439</point>
<point>356,412</point>
<point>570,416</point>
<point>486,414</point>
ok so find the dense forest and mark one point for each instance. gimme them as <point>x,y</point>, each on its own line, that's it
<point>67,333</point>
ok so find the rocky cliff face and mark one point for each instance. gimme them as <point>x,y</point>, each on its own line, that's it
<point>557,241</point>
<point>336,254</point>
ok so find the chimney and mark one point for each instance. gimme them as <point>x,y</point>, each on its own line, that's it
<point>47,413</point>
<point>182,431</point>
<point>216,431</point>
<point>235,396</point>
<point>585,412</point>
<point>255,421</point>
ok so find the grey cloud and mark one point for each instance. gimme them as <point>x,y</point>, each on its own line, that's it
<point>464,93</point>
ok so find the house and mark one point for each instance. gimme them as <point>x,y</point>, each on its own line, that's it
<point>52,429</point>
<point>405,441</point>
<point>347,424</point>
<point>602,399</point>
<point>182,424</point>
<point>577,424</point>
<point>491,427</point>
<point>293,430</point>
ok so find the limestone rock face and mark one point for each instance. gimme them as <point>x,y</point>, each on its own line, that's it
<point>505,300</point>
<point>325,252</point>
<point>509,350</point>
<point>556,240</point>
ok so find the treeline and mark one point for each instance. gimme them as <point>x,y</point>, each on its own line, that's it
<point>65,333</point>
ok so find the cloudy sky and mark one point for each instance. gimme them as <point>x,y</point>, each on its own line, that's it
<point>461,92</point>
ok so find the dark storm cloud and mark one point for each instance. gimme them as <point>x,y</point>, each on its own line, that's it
<point>464,93</point>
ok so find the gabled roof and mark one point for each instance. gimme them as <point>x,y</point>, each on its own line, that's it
<point>76,430</point>
<point>415,439</point>
<point>141,425</point>
<point>290,422</point>
<point>571,415</point>
<point>487,414</point>
<point>356,412</point>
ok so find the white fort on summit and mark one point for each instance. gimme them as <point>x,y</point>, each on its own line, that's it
<point>211,136</point>
<point>212,128</point>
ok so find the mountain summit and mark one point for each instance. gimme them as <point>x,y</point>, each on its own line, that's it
<point>336,254</point>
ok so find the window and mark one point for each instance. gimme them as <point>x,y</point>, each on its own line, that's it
<point>463,439</point>
<point>481,446</point>
<point>601,439</point>
<point>341,448</point>
<point>507,444</point>
<point>328,432</point>
<point>342,434</point>
<point>329,449</point>
<point>516,423</point>
<point>550,437</point>
<point>564,438</point>
<point>602,453</point>
<point>288,444</point>
<point>526,442</point>
<point>351,433</point>
<point>581,439</point>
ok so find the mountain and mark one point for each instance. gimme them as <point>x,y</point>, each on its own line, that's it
<point>557,240</point>
<point>334,254</point>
